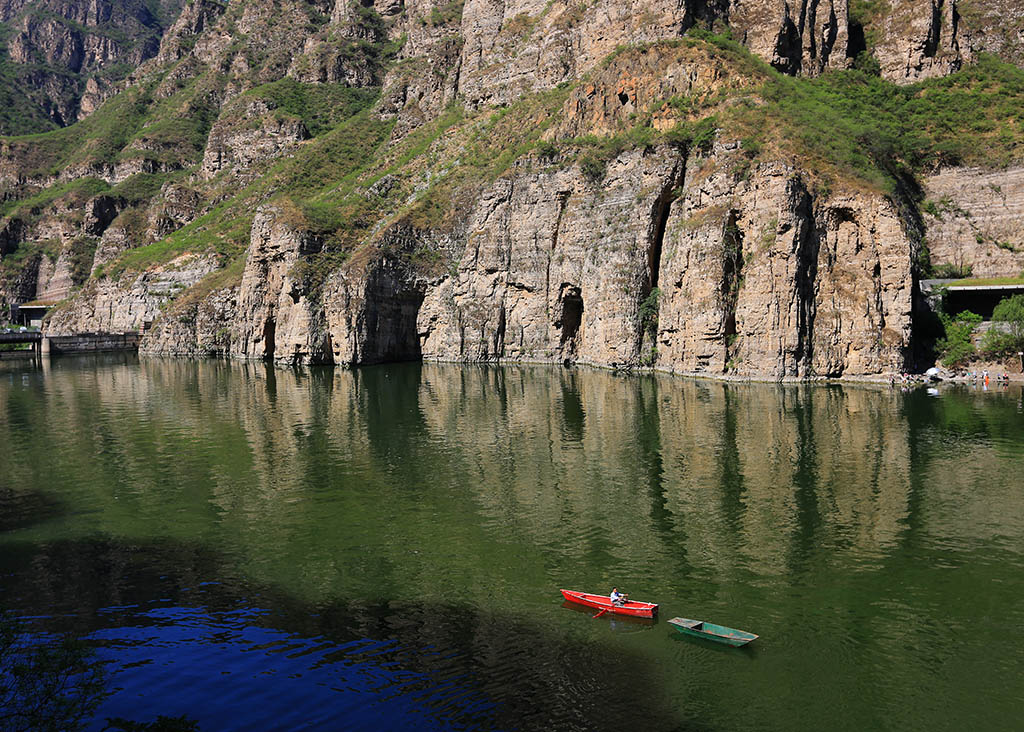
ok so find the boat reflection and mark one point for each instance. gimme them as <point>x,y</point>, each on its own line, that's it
<point>620,623</point>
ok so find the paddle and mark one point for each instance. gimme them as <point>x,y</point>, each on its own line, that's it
<point>602,612</point>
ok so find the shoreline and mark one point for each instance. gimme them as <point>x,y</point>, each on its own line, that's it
<point>882,380</point>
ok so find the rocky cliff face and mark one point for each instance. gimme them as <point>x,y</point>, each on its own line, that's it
<point>67,55</point>
<point>974,220</point>
<point>625,225</point>
<point>117,306</point>
<point>764,279</point>
<point>916,40</point>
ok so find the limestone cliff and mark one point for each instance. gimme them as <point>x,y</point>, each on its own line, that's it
<point>764,279</point>
<point>974,221</point>
<point>514,180</point>
<point>920,39</point>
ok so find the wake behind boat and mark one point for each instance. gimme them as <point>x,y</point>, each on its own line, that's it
<point>605,604</point>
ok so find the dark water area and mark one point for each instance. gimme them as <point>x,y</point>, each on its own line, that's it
<point>382,548</point>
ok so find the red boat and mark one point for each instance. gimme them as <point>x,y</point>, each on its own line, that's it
<point>604,603</point>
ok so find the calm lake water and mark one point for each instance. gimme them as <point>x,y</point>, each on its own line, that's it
<point>383,548</point>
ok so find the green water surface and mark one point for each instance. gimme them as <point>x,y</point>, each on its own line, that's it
<point>873,538</point>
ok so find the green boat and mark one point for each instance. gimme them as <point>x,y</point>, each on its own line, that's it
<point>719,633</point>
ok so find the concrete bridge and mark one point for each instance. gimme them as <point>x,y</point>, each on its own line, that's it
<point>33,337</point>
<point>978,298</point>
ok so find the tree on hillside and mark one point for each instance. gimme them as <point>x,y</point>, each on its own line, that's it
<point>957,348</point>
<point>1009,338</point>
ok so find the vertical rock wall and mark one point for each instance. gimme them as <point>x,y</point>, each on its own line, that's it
<point>974,220</point>
<point>758,278</point>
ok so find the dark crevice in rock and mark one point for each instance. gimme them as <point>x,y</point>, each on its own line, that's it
<point>498,344</point>
<point>954,37</point>
<point>102,212</point>
<point>704,13</point>
<point>562,197</point>
<point>807,245</point>
<point>11,235</point>
<point>808,15</point>
<point>269,333</point>
<point>858,42</point>
<point>787,52</point>
<point>326,356</point>
<point>829,41</point>
<point>660,211</point>
<point>388,320</point>
<point>732,277</point>
<point>563,200</point>
<point>931,44</point>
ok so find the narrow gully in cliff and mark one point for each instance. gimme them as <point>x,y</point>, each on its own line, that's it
<point>269,334</point>
<point>732,279</point>
<point>662,208</point>
<point>808,245</point>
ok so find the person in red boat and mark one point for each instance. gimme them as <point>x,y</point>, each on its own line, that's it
<point>618,598</point>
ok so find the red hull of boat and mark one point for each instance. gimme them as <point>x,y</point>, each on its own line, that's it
<point>603,602</point>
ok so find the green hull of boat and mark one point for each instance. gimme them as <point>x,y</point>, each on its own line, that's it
<point>717,633</point>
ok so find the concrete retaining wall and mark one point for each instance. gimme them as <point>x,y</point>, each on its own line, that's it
<point>91,343</point>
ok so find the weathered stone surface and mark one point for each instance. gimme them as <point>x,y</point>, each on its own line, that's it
<point>975,220</point>
<point>115,306</point>
<point>805,37</point>
<point>198,330</point>
<point>761,278</point>
<point>176,206</point>
<point>274,317</point>
<point>554,268</point>
<point>919,40</point>
<point>54,280</point>
<point>250,135</point>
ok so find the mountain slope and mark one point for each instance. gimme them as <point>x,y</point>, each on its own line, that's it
<point>544,181</point>
<point>60,58</point>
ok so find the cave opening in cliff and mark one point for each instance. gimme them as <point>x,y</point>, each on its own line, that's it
<point>571,321</point>
<point>269,334</point>
<point>390,312</point>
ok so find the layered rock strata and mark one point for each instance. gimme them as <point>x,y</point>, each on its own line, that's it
<point>758,279</point>
<point>130,303</point>
<point>974,220</point>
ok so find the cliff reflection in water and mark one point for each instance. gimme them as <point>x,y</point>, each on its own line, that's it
<point>612,469</point>
<point>860,531</point>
